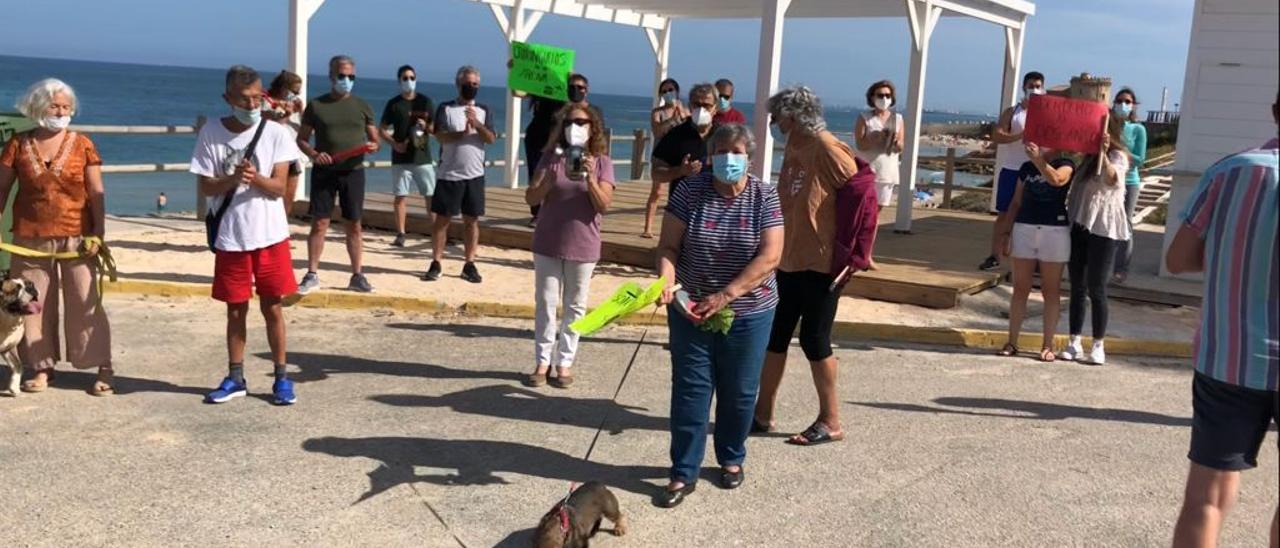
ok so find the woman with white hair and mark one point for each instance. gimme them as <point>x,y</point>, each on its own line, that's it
<point>721,239</point>
<point>58,209</point>
<point>815,165</point>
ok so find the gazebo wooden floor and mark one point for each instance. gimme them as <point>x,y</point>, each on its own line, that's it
<point>932,267</point>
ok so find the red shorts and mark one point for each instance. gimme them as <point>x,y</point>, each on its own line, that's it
<point>235,273</point>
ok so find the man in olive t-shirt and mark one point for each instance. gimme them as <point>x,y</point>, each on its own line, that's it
<point>342,123</point>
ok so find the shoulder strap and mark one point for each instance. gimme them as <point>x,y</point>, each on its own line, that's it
<point>257,134</point>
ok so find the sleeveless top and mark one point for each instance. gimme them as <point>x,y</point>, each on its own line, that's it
<point>1014,154</point>
<point>884,163</point>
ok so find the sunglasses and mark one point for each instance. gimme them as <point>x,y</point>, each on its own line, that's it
<point>666,91</point>
<point>351,77</point>
<point>726,97</point>
<point>884,96</point>
<point>408,79</point>
<point>580,122</point>
<point>1124,102</point>
<point>578,88</point>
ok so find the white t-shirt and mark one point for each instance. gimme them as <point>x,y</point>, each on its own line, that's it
<point>1014,154</point>
<point>254,220</point>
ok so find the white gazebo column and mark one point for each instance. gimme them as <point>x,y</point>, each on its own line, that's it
<point>922,16</point>
<point>660,42</point>
<point>771,24</point>
<point>1009,86</point>
<point>300,12</point>
<point>515,28</point>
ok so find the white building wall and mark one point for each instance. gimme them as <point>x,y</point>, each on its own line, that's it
<point>1233,74</point>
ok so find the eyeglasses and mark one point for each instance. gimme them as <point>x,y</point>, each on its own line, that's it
<point>578,88</point>
<point>1123,102</point>
<point>884,96</point>
<point>351,77</point>
<point>407,79</point>
<point>580,122</point>
<point>726,96</point>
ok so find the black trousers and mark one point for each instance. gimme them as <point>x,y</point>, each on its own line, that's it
<point>533,155</point>
<point>1090,269</point>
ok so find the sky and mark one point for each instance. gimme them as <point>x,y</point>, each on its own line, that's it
<point>1138,43</point>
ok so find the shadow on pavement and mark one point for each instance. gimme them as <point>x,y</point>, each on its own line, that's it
<point>1030,410</point>
<point>509,402</point>
<point>477,462</point>
<point>476,331</point>
<point>124,386</point>
<point>317,367</point>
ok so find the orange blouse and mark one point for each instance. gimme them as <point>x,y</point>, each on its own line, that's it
<point>53,195</point>
<point>814,168</point>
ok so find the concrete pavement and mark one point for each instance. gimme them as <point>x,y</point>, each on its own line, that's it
<point>403,416</point>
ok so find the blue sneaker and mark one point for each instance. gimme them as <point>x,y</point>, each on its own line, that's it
<point>227,391</point>
<point>282,389</point>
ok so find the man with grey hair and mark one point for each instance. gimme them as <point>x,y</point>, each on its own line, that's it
<point>242,162</point>
<point>682,151</point>
<point>463,127</point>
<point>345,131</point>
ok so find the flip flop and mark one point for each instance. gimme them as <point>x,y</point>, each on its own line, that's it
<point>102,385</point>
<point>1047,355</point>
<point>816,434</point>
<point>34,385</point>
<point>1009,350</point>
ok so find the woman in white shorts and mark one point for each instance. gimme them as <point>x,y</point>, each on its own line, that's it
<point>879,136</point>
<point>1040,236</point>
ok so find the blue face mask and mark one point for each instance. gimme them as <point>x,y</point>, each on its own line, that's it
<point>408,86</point>
<point>724,104</point>
<point>246,116</point>
<point>343,85</point>
<point>729,168</point>
<point>1123,109</point>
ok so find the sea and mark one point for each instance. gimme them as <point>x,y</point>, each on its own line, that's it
<point>132,94</point>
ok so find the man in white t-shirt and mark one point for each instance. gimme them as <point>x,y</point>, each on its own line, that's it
<point>252,244</point>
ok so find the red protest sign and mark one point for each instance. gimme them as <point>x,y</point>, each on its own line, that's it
<point>1065,124</point>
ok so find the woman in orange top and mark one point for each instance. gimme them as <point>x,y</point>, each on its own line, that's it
<point>815,165</point>
<point>59,204</point>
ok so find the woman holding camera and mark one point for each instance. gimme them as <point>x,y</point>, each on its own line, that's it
<point>574,185</point>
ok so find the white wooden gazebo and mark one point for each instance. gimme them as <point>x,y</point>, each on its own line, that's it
<point>518,18</point>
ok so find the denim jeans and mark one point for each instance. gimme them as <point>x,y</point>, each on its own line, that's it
<point>706,364</point>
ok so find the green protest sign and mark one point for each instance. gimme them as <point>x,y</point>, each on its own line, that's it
<point>540,70</point>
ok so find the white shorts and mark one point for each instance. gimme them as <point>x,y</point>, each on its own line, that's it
<point>406,178</point>
<point>885,192</point>
<point>1050,244</point>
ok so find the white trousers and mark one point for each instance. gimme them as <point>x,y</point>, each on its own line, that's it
<point>558,281</point>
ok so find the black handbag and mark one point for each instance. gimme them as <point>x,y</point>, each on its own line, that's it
<point>213,220</point>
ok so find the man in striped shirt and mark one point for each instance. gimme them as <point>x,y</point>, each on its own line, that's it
<point>1229,231</point>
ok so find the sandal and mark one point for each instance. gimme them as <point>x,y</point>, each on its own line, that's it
<point>758,427</point>
<point>817,433</point>
<point>102,385</point>
<point>1047,355</point>
<point>39,382</point>
<point>646,235</point>
<point>1009,349</point>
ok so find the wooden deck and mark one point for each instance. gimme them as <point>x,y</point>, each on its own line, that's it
<point>933,267</point>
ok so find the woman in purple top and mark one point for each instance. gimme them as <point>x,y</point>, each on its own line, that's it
<point>574,186</point>
<point>721,241</point>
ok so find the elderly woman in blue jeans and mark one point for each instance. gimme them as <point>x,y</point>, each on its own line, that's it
<point>721,240</point>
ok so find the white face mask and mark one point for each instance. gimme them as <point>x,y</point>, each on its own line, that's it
<point>1032,92</point>
<point>576,135</point>
<point>701,117</point>
<point>55,123</point>
<point>883,103</point>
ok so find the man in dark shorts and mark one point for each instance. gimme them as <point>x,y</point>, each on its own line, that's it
<point>1229,233</point>
<point>463,128</point>
<point>1007,137</point>
<point>682,151</point>
<point>341,122</point>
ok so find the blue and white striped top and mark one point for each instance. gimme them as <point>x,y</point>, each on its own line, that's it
<point>722,236</point>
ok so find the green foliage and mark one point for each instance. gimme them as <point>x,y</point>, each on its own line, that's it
<point>720,323</point>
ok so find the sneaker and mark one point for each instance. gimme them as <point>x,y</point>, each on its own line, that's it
<point>470,274</point>
<point>282,392</point>
<point>310,282</point>
<point>992,263</point>
<point>359,284</point>
<point>399,241</point>
<point>227,391</point>
<point>1097,355</point>
<point>433,272</point>
<point>1073,352</point>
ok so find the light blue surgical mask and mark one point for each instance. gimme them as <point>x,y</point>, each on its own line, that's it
<point>1123,109</point>
<point>669,98</point>
<point>729,168</point>
<point>248,117</point>
<point>724,104</point>
<point>343,85</point>
<point>407,86</point>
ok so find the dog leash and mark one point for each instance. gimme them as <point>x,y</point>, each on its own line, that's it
<point>105,264</point>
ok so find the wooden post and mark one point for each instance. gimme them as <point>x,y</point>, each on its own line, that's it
<point>637,154</point>
<point>948,177</point>
<point>202,201</point>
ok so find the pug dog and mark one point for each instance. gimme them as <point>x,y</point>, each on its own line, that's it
<point>18,298</point>
<point>572,523</point>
